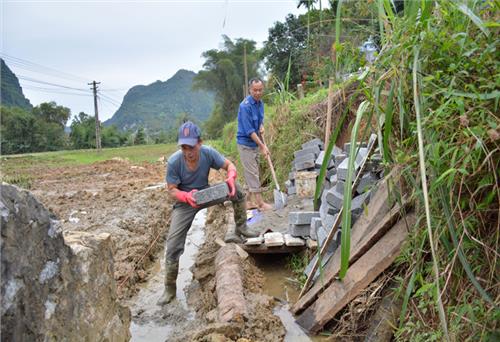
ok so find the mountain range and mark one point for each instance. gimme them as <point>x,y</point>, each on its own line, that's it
<point>157,105</point>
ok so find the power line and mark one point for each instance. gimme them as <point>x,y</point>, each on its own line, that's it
<point>53,91</point>
<point>117,105</point>
<point>38,68</point>
<point>110,99</point>
<point>29,79</point>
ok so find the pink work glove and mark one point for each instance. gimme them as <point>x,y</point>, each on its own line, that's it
<point>230,180</point>
<point>186,197</point>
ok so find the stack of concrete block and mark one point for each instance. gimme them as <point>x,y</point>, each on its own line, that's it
<point>332,198</point>
<point>299,223</point>
<point>310,158</point>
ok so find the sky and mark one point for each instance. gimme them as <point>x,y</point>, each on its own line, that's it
<point>120,43</point>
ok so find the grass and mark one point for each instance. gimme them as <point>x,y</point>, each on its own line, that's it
<point>16,167</point>
<point>437,119</point>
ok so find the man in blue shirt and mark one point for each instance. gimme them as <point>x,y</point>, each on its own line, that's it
<point>187,172</point>
<point>249,140</point>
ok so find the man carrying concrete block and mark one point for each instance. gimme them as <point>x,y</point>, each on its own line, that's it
<point>187,172</point>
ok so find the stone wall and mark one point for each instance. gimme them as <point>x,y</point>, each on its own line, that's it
<point>55,288</point>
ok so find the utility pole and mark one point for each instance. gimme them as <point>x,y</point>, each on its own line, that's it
<point>245,69</point>
<point>97,122</point>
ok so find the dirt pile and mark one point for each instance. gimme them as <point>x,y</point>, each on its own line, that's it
<point>112,197</point>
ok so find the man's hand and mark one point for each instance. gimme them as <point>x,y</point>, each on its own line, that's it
<point>186,197</point>
<point>230,180</point>
<point>264,150</point>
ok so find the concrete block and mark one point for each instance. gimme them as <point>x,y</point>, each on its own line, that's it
<point>367,181</point>
<point>293,241</point>
<point>315,224</point>
<point>311,244</point>
<point>291,175</point>
<point>321,157</point>
<point>339,159</point>
<point>255,241</point>
<point>333,210</point>
<point>312,143</point>
<point>322,235</point>
<point>335,198</point>
<point>336,151</point>
<point>313,149</point>
<point>211,195</point>
<point>274,239</point>
<point>305,158</point>
<point>329,221</point>
<point>334,180</point>
<point>309,267</point>
<point>291,190</point>
<point>342,169</point>
<point>304,165</point>
<point>289,183</point>
<point>301,217</point>
<point>358,203</point>
<point>340,186</point>
<point>330,173</point>
<point>301,230</point>
<point>347,147</point>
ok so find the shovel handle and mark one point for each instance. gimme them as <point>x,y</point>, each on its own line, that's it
<point>268,157</point>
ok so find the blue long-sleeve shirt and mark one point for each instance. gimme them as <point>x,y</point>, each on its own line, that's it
<point>250,118</point>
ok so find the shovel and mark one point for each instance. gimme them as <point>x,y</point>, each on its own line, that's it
<point>279,197</point>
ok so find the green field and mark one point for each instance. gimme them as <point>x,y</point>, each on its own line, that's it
<point>15,168</point>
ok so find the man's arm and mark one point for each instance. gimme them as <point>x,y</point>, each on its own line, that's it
<point>263,148</point>
<point>231,176</point>
<point>181,196</point>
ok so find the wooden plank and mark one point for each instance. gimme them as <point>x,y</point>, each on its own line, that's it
<point>263,249</point>
<point>359,275</point>
<point>376,211</point>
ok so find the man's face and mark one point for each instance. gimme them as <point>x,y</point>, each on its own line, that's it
<point>191,153</point>
<point>257,90</point>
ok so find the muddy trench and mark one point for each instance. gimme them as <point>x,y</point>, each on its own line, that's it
<point>269,290</point>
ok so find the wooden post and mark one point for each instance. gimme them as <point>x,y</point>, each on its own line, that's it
<point>329,110</point>
<point>97,122</point>
<point>300,91</point>
<point>245,69</point>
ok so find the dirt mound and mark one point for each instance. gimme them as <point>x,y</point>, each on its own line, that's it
<point>111,197</point>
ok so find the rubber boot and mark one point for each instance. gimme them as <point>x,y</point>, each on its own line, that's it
<point>240,218</point>
<point>171,270</point>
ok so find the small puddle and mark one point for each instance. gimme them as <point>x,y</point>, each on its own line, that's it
<point>280,283</point>
<point>150,322</point>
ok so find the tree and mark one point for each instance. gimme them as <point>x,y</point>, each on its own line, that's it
<point>140,137</point>
<point>16,130</point>
<point>83,131</point>
<point>112,137</point>
<point>224,75</point>
<point>287,42</point>
<point>51,112</point>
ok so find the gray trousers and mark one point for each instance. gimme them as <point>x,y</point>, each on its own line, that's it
<point>182,218</point>
<point>249,158</point>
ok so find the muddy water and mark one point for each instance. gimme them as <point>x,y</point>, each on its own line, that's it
<point>152,323</point>
<point>280,283</point>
